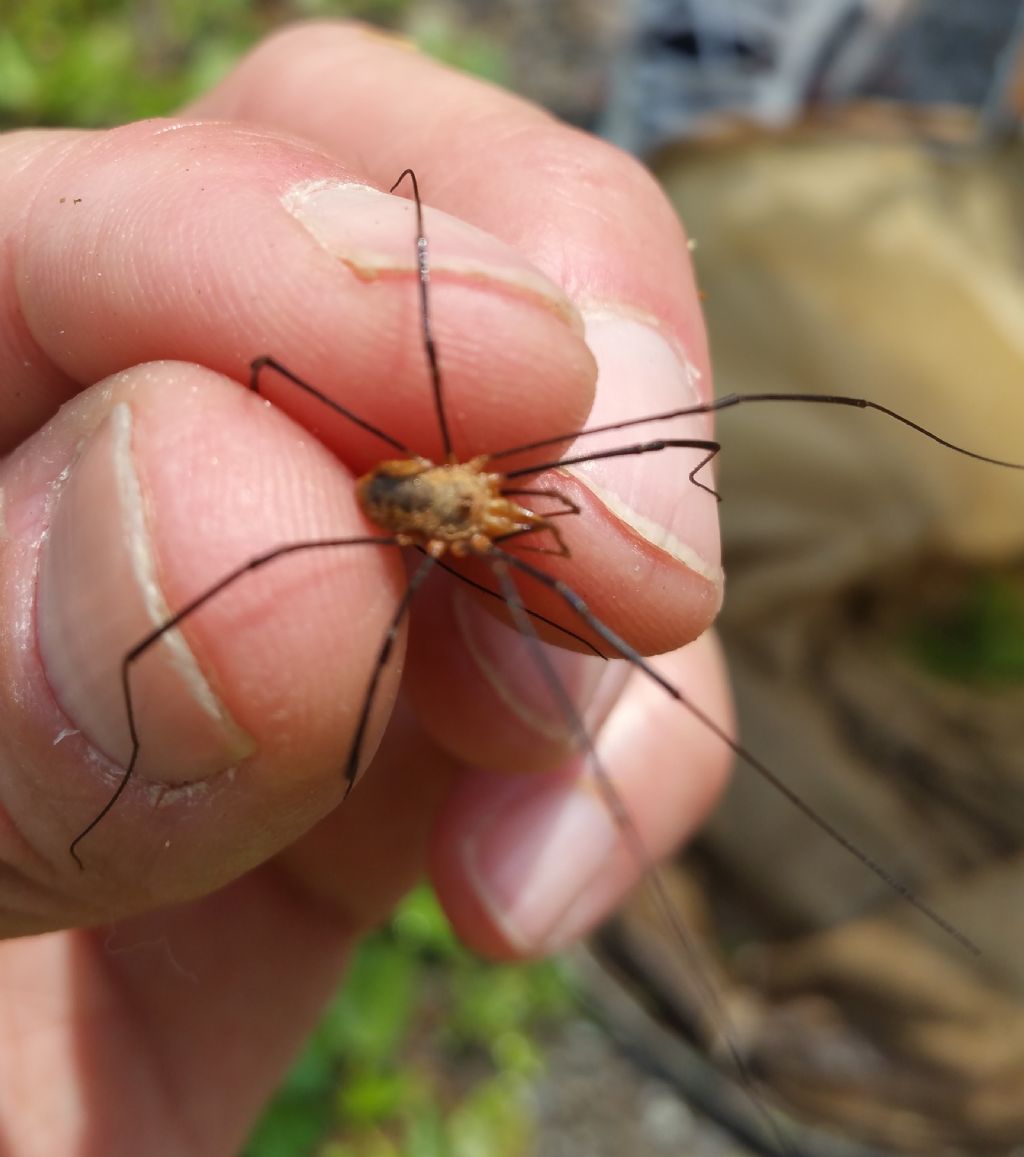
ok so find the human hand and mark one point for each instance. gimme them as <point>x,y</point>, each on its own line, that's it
<point>221,894</point>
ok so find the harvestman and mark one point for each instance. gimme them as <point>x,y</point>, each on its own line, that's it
<point>463,509</point>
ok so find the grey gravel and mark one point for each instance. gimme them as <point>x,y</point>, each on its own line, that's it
<point>595,1102</point>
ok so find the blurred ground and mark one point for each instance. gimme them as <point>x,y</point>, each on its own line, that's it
<point>863,263</point>
<point>601,1102</point>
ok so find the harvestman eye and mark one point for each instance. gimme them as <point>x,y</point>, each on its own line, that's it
<point>461,509</point>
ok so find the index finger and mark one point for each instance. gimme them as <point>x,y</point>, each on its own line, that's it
<point>588,216</point>
<point>584,212</point>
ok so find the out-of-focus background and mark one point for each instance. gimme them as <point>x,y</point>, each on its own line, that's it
<point>852,174</point>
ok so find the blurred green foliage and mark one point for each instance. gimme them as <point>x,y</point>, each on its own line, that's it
<point>425,1052</point>
<point>100,62</point>
<point>979,638</point>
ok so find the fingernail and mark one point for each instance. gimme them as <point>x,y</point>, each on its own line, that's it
<point>641,373</point>
<point>536,855</point>
<point>375,233</point>
<point>510,664</point>
<point>98,596</point>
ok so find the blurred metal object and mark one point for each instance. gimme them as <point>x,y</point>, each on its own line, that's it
<point>692,68</point>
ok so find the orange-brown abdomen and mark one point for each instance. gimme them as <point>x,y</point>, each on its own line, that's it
<point>457,507</point>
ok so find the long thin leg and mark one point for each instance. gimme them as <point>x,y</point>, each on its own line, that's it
<point>568,506</point>
<point>563,550</point>
<point>717,1016</point>
<point>632,656</point>
<point>705,461</point>
<point>429,346</point>
<point>155,635</point>
<point>417,580</point>
<point>270,363</point>
<point>730,400</point>
<point>651,447</point>
<point>536,616</point>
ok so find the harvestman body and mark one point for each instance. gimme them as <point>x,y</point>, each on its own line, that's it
<point>456,507</point>
<point>463,509</point>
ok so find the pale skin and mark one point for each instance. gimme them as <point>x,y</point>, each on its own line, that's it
<point>160,993</point>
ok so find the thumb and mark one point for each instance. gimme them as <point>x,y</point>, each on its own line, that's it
<point>139,496</point>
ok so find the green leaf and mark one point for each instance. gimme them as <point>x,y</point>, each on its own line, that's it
<point>292,1125</point>
<point>979,638</point>
<point>495,1121</point>
<point>367,1020</point>
<point>420,925</point>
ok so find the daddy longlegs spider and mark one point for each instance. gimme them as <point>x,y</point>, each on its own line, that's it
<point>464,509</point>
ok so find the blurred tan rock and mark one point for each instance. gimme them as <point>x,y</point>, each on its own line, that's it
<point>835,264</point>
